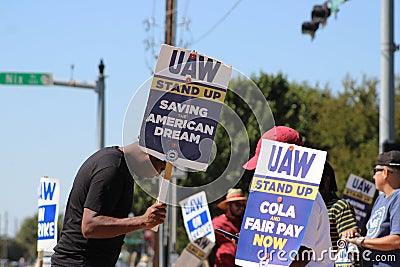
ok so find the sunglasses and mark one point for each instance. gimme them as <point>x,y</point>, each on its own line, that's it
<point>381,169</point>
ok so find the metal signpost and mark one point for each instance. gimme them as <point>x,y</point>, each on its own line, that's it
<point>46,79</point>
<point>387,99</point>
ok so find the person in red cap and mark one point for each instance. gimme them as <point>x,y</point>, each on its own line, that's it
<point>316,238</point>
<point>278,133</point>
<point>231,221</point>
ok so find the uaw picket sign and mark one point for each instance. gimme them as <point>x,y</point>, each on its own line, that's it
<point>195,253</point>
<point>282,193</point>
<point>360,194</point>
<point>196,217</point>
<point>183,107</point>
<point>48,206</point>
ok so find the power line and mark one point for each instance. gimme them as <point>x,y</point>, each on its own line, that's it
<point>150,42</point>
<point>184,25</point>
<point>218,22</point>
<point>155,34</point>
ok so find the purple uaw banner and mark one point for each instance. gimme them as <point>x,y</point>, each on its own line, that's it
<point>282,192</point>
<point>182,113</point>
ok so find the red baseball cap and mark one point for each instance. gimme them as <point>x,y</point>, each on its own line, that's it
<point>277,133</point>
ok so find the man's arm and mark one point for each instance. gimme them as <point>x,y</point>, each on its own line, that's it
<point>386,243</point>
<point>99,226</point>
<point>345,218</point>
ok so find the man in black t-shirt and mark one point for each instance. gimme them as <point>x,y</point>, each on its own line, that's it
<point>96,217</point>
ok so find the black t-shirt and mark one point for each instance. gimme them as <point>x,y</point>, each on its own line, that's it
<point>104,185</point>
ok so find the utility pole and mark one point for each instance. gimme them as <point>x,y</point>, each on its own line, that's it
<point>1,252</point>
<point>170,22</point>
<point>387,96</point>
<point>170,30</point>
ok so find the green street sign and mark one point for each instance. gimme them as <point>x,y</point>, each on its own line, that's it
<point>133,241</point>
<point>22,78</point>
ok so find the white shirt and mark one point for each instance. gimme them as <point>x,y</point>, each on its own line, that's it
<point>317,236</point>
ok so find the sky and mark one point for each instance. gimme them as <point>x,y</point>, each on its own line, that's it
<point>50,131</point>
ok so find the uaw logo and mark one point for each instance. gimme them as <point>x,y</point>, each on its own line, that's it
<point>172,155</point>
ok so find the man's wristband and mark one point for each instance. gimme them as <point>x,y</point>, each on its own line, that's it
<point>360,240</point>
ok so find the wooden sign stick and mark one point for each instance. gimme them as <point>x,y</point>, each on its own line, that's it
<point>40,258</point>
<point>168,171</point>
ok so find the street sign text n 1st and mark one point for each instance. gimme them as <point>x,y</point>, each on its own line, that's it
<point>23,78</point>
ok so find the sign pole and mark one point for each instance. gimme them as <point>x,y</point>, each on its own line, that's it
<point>40,258</point>
<point>162,198</point>
<point>172,215</point>
<point>172,223</point>
<point>168,171</point>
<point>100,89</point>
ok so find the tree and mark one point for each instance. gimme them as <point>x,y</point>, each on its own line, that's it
<point>27,235</point>
<point>16,250</point>
<point>346,127</point>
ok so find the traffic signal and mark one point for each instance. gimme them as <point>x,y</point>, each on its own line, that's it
<point>320,13</point>
<point>309,27</point>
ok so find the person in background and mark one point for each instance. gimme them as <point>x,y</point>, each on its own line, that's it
<point>231,221</point>
<point>96,217</point>
<point>341,214</point>
<point>316,238</point>
<point>382,241</point>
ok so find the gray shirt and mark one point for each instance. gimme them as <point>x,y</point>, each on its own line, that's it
<point>384,221</point>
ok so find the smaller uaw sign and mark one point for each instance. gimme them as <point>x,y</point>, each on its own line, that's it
<point>196,217</point>
<point>360,194</point>
<point>195,253</point>
<point>282,193</point>
<point>186,96</point>
<point>48,205</point>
